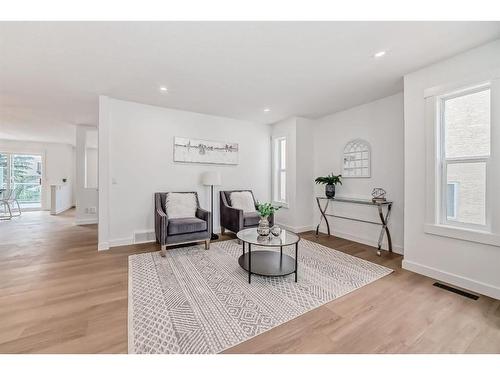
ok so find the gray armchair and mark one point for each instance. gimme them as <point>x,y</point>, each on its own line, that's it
<point>180,230</point>
<point>234,219</point>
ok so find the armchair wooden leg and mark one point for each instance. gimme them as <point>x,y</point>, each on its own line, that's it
<point>207,244</point>
<point>163,251</point>
<point>222,230</point>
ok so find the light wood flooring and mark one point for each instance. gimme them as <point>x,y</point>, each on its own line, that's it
<point>59,295</point>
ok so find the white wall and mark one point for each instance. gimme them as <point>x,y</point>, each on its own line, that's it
<point>86,198</point>
<point>298,216</point>
<point>139,141</point>
<point>58,162</point>
<point>91,167</point>
<point>305,174</point>
<point>288,128</point>
<point>470,265</point>
<point>381,124</point>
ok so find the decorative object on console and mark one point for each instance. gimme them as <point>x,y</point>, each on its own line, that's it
<point>330,181</point>
<point>356,159</point>
<point>378,195</point>
<point>190,150</point>
<point>265,210</point>
<point>211,179</point>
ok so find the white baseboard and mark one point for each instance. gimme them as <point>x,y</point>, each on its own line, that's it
<point>398,249</point>
<point>121,242</point>
<point>296,229</point>
<point>57,212</point>
<point>133,239</point>
<point>102,246</point>
<point>86,221</point>
<point>453,279</point>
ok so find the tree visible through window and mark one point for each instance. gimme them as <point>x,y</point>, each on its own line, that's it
<point>22,173</point>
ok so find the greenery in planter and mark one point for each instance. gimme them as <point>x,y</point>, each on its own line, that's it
<point>330,179</point>
<point>266,209</point>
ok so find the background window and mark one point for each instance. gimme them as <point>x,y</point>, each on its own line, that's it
<point>279,194</point>
<point>466,151</point>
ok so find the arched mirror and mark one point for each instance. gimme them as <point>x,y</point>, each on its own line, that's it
<point>356,159</point>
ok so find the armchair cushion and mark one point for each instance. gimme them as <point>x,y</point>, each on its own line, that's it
<point>250,219</point>
<point>180,205</point>
<point>242,200</point>
<point>186,225</point>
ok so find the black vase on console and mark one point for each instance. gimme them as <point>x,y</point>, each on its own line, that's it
<point>330,191</point>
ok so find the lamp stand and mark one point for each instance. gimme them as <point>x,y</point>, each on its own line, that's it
<point>213,236</point>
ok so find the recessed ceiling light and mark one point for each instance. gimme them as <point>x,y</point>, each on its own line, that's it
<point>379,54</point>
<point>163,89</point>
<point>267,110</point>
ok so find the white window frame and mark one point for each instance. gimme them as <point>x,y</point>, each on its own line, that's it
<point>445,161</point>
<point>277,143</point>
<point>434,224</point>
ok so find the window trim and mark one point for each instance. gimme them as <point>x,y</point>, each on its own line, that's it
<point>443,162</point>
<point>277,170</point>
<point>432,223</point>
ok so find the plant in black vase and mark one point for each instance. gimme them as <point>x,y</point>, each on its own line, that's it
<point>330,181</point>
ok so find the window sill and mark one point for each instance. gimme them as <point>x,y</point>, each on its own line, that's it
<point>463,234</point>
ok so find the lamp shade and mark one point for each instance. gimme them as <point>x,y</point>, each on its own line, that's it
<point>210,178</point>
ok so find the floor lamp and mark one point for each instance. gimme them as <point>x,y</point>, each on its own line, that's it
<point>211,179</point>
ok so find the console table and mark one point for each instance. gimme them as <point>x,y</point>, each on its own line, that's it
<point>384,218</point>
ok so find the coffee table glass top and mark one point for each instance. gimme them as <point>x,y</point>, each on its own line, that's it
<point>250,235</point>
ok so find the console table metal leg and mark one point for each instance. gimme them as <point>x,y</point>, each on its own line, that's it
<point>323,216</point>
<point>296,259</point>
<point>243,242</point>
<point>384,228</point>
<point>389,239</point>
<point>249,262</point>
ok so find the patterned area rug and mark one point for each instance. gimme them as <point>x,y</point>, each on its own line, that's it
<point>199,301</point>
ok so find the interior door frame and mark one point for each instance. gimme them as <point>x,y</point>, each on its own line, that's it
<point>43,188</point>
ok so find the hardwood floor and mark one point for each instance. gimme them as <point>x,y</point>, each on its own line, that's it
<point>59,295</point>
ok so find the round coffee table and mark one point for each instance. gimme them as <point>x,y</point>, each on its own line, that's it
<point>268,262</point>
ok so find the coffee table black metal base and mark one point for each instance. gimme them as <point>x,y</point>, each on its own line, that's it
<point>268,263</point>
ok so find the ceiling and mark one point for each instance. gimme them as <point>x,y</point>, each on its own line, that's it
<point>51,73</point>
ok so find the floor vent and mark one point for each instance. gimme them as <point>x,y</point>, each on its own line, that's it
<point>457,291</point>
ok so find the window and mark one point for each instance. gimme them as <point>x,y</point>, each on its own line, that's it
<point>22,173</point>
<point>279,167</point>
<point>464,156</point>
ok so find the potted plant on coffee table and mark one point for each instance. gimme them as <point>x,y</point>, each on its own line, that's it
<point>329,181</point>
<point>265,210</point>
